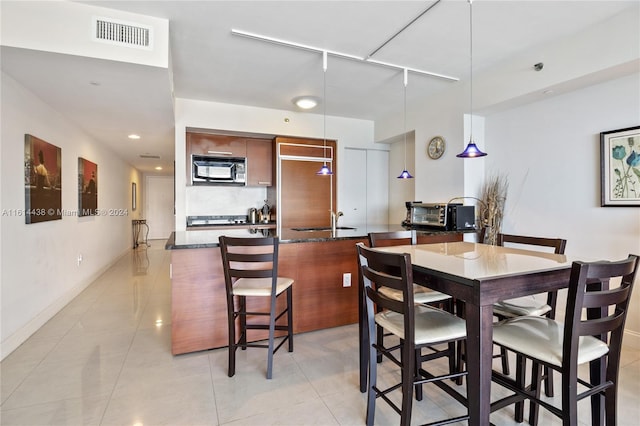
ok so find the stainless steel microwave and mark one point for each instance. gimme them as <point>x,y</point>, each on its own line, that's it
<point>208,170</point>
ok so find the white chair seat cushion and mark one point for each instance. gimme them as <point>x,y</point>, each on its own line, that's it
<point>521,306</point>
<point>259,286</point>
<point>541,338</point>
<point>431,325</point>
<point>421,294</point>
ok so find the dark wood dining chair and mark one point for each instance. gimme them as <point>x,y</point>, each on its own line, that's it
<point>421,294</point>
<point>418,328</point>
<point>251,270</point>
<point>563,347</point>
<point>529,305</point>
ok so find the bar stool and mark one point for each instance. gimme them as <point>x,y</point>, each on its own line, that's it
<point>251,270</point>
<point>529,305</point>
<point>563,347</point>
<point>418,327</point>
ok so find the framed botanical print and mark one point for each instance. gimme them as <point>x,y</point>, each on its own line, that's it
<point>620,167</point>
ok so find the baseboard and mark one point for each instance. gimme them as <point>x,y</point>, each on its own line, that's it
<point>631,339</point>
<point>12,342</point>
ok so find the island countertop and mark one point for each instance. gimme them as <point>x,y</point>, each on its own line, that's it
<point>209,237</point>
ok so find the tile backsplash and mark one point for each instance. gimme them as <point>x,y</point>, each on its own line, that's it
<point>223,200</point>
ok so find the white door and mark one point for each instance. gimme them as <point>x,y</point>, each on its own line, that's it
<point>352,180</point>
<point>377,187</point>
<point>365,182</point>
<point>158,208</point>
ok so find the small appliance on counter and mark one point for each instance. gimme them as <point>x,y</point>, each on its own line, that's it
<point>195,221</point>
<point>447,216</point>
<point>265,213</point>
<point>253,215</point>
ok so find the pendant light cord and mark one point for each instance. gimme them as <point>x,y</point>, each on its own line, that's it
<point>405,118</point>
<point>470,71</point>
<point>324,103</point>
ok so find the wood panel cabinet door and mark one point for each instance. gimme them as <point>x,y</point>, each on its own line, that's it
<point>216,145</point>
<point>304,196</point>
<point>259,162</point>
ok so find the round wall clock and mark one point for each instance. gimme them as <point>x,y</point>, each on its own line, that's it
<point>436,147</point>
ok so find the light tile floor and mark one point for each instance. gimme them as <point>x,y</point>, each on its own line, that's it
<point>105,360</point>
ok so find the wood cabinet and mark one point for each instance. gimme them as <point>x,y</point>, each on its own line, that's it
<point>259,162</point>
<point>216,145</point>
<point>306,199</point>
<point>257,151</point>
<point>198,296</point>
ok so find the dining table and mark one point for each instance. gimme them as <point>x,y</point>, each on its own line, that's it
<point>478,275</point>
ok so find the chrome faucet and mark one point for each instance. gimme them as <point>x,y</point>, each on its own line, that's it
<point>334,220</point>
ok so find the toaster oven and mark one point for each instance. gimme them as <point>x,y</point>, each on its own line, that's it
<point>425,214</point>
<point>448,216</point>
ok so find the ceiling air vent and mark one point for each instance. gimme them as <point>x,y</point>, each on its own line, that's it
<point>149,156</point>
<point>122,33</point>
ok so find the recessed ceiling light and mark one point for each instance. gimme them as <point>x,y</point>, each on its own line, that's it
<point>158,168</point>
<point>306,102</point>
<point>134,136</point>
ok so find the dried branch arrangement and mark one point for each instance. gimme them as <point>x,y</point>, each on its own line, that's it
<point>493,196</point>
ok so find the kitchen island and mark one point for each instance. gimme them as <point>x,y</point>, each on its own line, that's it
<point>316,260</point>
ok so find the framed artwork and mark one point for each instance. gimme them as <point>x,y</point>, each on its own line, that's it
<point>620,167</point>
<point>42,180</point>
<point>87,188</point>
<point>134,195</point>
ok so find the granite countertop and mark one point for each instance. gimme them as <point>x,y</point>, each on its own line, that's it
<point>209,237</point>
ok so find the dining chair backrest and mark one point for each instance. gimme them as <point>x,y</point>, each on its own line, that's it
<point>383,239</point>
<point>557,244</point>
<point>393,270</point>
<point>249,258</point>
<point>589,290</point>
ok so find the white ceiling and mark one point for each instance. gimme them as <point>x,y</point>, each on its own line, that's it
<point>210,63</point>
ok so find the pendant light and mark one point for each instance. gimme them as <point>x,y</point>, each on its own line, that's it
<point>324,170</point>
<point>405,173</point>
<point>471,151</point>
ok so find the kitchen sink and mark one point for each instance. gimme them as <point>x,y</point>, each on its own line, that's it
<point>322,228</point>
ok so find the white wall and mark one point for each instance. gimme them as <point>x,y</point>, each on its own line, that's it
<point>38,268</point>
<point>349,133</point>
<point>550,151</point>
<point>67,26</point>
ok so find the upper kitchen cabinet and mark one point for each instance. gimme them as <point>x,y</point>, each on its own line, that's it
<point>259,162</point>
<point>216,145</point>
<point>257,151</point>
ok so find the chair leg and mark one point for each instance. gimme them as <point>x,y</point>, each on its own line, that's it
<point>536,381</point>
<point>373,374</point>
<point>548,382</point>
<point>290,317</point>
<point>243,323</point>
<point>231,371</point>
<point>408,367</point>
<point>272,331</point>
<point>504,357</point>
<point>611,403</point>
<point>460,360</point>
<point>521,369</point>
<point>416,373</point>
<point>380,340</point>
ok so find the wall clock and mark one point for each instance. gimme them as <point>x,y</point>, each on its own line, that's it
<point>436,147</point>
